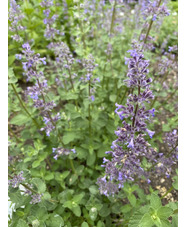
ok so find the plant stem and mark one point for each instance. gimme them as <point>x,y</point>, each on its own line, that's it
<point>89,114</point>
<point>72,165</point>
<point>17,139</point>
<point>167,192</point>
<point>23,106</point>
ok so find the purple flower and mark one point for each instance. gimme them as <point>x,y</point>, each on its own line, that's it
<point>131,144</point>
<point>151,133</point>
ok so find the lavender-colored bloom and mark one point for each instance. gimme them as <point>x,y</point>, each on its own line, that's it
<point>17,179</point>
<point>130,147</point>
<point>15,17</point>
<point>151,133</point>
<point>60,151</point>
<point>36,198</point>
<point>39,90</point>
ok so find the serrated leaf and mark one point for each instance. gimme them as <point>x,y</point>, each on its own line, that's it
<point>175,220</point>
<point>69,137</point>
<point>22,223</point>
<point>20,119</point>
<point>164,212</point>
<point>40,185</point>
<point>135,219</point>
<point>55,220</point>
<point>155,201</point>
<point>126,208</point>
<point>146,221</point>
<point>105,211</point>
<point>132,199</point>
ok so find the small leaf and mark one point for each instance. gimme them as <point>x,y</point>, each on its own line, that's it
<point>36,164</point>
<point>77,210</point>
<point>84,224</point>
<point>41,186</point>
<point>132,199</point>
<point>155,201</point>
<point>146,221</point>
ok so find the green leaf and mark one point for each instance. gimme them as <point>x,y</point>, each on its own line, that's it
<point>84,224</point>
<point>165,223</point>
<point>91,159</point>
<point>135,219</point>
<point>11,60</point>
<point>39,212</point>
<point>100,224</point>
<point>146,221</point>
<point>126,208</point>
<point>155,201</point>
<point>19,119</point>
<point>73,178</point>
<point>105,211</point>
<point>175,220</point>
<point>175,183</point>
<point>93,213</point>
<point>94,202</point>
<point>112,98</point>
<point>55,220</point>
<point>36,163</point>
<point>76,210</point>
<point>22,223</point>
<point>11,77</point>
<point>164,212</point>
<point>69,137</point>
<point>77,198</point>
<point>93,189</point>
<point>40,185</point>
<point>49,176</point>
<point>132,199</point>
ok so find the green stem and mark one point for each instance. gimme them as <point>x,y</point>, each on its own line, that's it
<point>17,139</point>
<point>72,165</point>
<point>23,106</point>
<point>89,112</point>
<point>167,192</point>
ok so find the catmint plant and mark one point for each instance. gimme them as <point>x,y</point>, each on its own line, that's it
<point>15,17</point>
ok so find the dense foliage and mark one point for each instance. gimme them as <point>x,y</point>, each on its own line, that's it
<point>93,137</point>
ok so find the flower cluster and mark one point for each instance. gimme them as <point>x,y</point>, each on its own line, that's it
<point>60,151</point>
<point>89,66</point>
<point>36,198</point>
<point>154,9</point>
<point>16,180</point>
<point>131,147</point>
<point>50,31</point>
<point>15,16</point>
<point>38,92</point>
<point>64,61</point>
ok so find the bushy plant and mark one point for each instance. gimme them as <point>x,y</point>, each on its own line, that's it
<point>93,137</point>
